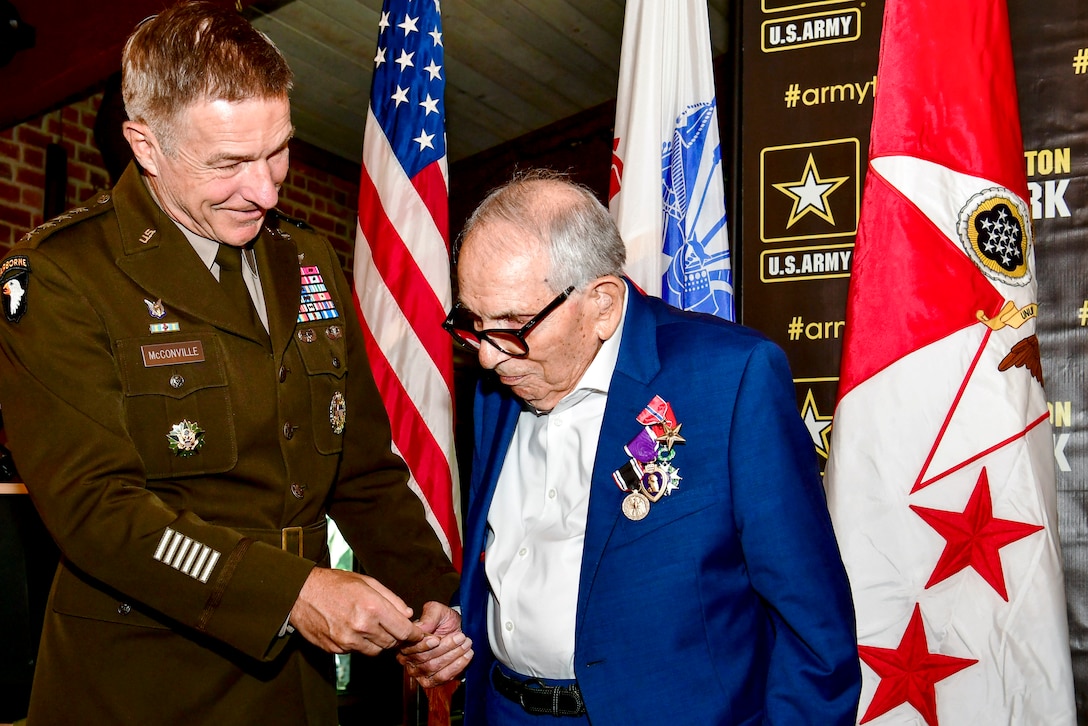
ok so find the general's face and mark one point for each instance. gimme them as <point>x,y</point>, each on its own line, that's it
<point>226,167</point>
<point>504,289</point>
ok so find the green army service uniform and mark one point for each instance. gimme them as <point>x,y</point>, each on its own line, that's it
<point>184,462</point>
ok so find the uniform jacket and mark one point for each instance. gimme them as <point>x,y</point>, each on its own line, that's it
<point>176,574</point>
<point>728,603</point>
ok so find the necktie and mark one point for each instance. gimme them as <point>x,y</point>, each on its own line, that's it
<point>229,259</point>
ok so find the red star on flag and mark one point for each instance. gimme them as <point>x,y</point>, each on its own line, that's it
<point>908,673</point>
<point>974,537</point>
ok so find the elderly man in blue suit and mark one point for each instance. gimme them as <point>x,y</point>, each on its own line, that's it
<point>647,540</point>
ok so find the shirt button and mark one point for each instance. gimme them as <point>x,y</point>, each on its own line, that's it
<point>551,494</point>
<point>509,626</point>
<point>523,551</point>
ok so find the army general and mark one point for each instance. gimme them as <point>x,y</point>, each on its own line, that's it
<point>187,396</point>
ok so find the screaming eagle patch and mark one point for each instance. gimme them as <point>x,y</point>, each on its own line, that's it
<point>14,281</point>
<point>995,232</point>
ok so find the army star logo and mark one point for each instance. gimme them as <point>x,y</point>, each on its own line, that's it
<point>810,194</point>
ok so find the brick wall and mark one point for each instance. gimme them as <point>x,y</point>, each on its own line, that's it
<point>326,200</point>
<point>22,166</point>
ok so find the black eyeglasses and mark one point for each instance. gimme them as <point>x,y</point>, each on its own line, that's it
<point>511,342</point>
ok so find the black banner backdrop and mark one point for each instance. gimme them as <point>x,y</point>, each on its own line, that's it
<point>1050,49</point>
<point>807,80</point>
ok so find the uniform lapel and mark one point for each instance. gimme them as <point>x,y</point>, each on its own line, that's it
<point>159,259</point>
<point>505,411</point>
<point>277,259</point>
<point>628,393</point>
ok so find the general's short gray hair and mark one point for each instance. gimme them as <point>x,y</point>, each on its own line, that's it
<point>196,51</point>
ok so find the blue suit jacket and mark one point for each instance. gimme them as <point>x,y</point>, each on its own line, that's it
<point>728,603</point>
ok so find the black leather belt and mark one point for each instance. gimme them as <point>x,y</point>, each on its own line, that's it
<point>540,699</point>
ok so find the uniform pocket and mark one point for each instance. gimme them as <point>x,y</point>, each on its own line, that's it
<point>73,595</point>
<point>324,357</point>
<point>178,385</point>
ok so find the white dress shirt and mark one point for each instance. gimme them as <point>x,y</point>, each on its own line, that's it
<point>537,525</point>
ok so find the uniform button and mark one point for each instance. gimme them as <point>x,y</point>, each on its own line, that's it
<point>124,609</point>
<point>299,490</point>
<point>335,362</point>
<point>289,430</point>
<point>177,381</point>
<point>283,373</point>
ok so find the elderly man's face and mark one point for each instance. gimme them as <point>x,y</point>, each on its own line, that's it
<point>505,290</point>
<point>225,170</point>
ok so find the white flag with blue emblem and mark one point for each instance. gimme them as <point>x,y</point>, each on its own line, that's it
<point>667,192</point>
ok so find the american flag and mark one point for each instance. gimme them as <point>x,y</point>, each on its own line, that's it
<point>402,273</point>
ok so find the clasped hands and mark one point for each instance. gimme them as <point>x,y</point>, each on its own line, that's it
<point>344,612</point>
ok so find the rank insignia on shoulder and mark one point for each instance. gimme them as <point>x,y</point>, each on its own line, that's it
<point>14,281</point>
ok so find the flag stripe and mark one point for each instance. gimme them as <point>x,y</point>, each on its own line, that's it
<point>397,264</point>
<point>417,445</point>
<point>403,353</point>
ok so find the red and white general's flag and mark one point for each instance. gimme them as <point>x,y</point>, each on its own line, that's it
<point>667,192</point>
<point>402,274</point>
<point>941,476</point>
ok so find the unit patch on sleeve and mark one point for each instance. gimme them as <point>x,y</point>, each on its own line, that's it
<point>316,302</point>
<point>14,281</point>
